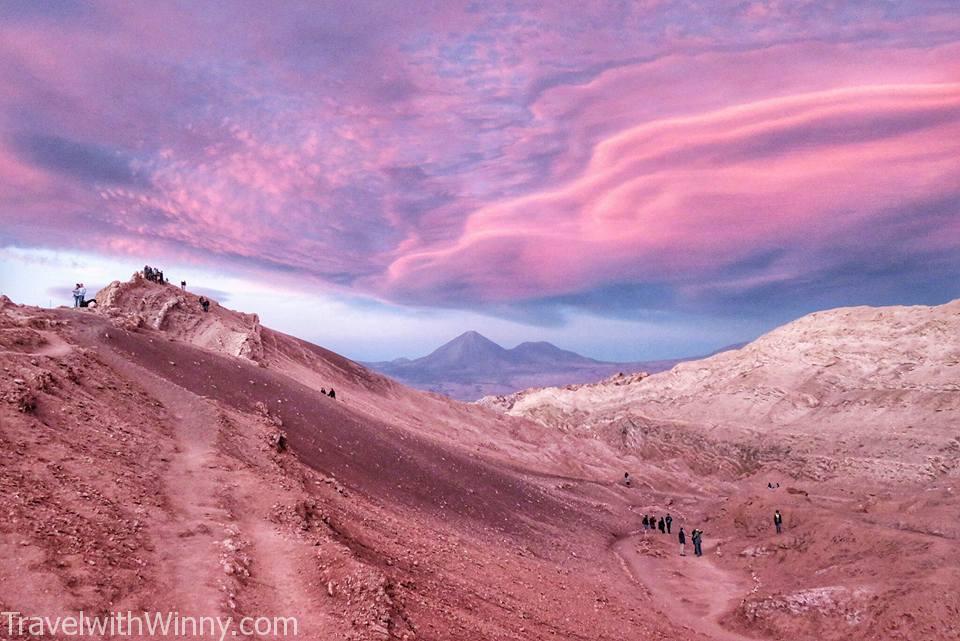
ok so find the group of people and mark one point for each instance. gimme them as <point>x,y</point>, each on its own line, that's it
<point>331,393</point>
<point>664,524</point>
<point>153,274</point>
<point>79,295</point>
<point>156,276</point>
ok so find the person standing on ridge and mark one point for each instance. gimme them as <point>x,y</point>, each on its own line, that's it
<point>669,520</point>
<point>646,522</point>
<point>778,521</point>
<point>682,537</point>
<point>83,295</point>
<point>76,294</point>
<point>183,285</point>
<point>662,526</point>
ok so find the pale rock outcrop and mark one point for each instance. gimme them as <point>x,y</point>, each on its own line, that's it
<point>162,307</point>
<point>870,390</point>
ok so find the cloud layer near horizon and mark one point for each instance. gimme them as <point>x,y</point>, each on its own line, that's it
<point>487,156</point>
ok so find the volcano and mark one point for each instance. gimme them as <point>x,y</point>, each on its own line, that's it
<point>471,366</point>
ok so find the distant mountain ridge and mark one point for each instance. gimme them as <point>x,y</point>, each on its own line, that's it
<point>472,366</point>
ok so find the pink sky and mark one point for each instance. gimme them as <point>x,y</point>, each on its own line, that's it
<point>540,163</point>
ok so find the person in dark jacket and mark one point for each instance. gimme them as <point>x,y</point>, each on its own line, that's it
<point>626,479</point>
<point>669,521</point>
<point>332,394</point>
<point>697,537</point>
<point>646,522</point>
<point>662,526</point>
<point>778,521</point>
<point>682,537</point>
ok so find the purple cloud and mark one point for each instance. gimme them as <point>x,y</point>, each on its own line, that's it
<point>469,155</point>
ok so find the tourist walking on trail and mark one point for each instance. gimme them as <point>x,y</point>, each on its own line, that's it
<point>778,521</point>
<point>697,537</point>
<point>669,521</point>
<point>682,537</point>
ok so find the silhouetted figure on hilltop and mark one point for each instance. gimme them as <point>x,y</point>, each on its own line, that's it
<point>154,275</point>
<point>183,285</point>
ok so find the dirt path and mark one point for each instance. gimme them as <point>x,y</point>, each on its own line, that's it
<point>199,481</point>
<point>284,571</point>
<point>189,535</point>
<point>56,346</point>
<point>692,592</point>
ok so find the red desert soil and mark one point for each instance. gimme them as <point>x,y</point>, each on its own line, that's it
<point>140,470</point>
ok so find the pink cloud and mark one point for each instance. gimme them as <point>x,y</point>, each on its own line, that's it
<point>464,153</point>
<point>680,196</point>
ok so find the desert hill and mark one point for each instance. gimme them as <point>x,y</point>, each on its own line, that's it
<point>154,456</point>
<point>851,414</point>
<point>872,389</point>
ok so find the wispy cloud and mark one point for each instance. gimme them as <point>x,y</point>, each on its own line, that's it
<point>515,159</point>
